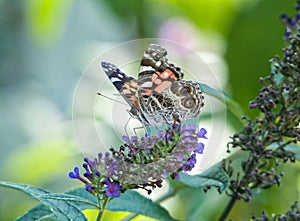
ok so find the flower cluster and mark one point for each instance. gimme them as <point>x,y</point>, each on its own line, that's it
<point>268,140</point>
<point>292,24</point>
<point>268,137</point>
<point>292,214</point>
<point>142,162</point>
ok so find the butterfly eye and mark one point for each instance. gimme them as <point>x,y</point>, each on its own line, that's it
<point>188,103</point>
<point>185,90</point>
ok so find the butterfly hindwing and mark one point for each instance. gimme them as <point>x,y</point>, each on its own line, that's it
<point>162,93</point>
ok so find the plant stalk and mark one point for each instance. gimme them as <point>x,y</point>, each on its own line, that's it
<point>228,208</point>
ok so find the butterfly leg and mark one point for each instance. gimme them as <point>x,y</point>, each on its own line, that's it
<point>126,125</point>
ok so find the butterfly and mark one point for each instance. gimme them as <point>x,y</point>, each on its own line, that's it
<point>160,93</point>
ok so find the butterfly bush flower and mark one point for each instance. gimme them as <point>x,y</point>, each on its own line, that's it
<point>271,138</point>
<point>142,162</point>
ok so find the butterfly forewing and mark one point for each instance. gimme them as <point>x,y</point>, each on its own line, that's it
<point>126,85</point>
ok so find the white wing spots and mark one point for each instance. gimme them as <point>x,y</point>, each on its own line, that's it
<point>146,84</point>
<point>147,68</point>
<point>165,74</point>
<point>158,63</point>
<point>108,68</point>
<point>114,79</point>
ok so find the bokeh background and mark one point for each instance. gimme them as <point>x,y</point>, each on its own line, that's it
<point>45,45</point>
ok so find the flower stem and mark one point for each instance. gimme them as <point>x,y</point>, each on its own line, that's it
<point>228,208</point>
<point>101,211</point>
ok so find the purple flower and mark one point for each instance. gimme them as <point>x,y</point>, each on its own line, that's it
<point>199,148</point>
<point>112,189</point>
<point>190,164</point>
<point>88,175</point>
<point>134,138</point>
<point>161,133</point>
<point>89,188</point>
<point>142,162</point>
<point>201,133</point>
<point>293,21</point>
<point>75,174</point>
<point>126,139</point>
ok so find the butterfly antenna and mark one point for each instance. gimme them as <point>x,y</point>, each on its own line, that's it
<point>102,95</point>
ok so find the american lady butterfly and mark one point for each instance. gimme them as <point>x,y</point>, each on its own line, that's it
<point>159,94</point>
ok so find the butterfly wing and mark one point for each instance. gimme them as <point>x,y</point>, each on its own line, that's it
<point>162,93</point>
<point>155,59</point>
<point>126,85</point>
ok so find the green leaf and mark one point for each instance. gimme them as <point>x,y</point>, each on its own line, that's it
<point>232,106</point>
<point>131,201</point>
<point>69,198</point>
<point>62,206</point>
<point>63,210</point>
<point>81,192</point>
<point>33,191</point>
<point>215,176</point>
<point>39,212</point>
<point>42,211</point>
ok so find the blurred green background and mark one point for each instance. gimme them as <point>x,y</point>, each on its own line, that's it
<point>46,44</point>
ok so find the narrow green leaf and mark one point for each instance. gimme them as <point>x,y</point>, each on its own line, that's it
<point>60,206</point>
<point>131,201</point>
<point>215,176</point>
<point>33,191</point>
